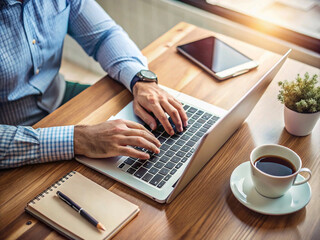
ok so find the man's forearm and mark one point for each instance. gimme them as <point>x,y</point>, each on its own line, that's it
<point>105,41</point>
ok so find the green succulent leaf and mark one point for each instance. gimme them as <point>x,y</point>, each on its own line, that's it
<point>302,94</point>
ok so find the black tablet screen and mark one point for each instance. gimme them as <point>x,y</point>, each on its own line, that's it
<point>214,54</point>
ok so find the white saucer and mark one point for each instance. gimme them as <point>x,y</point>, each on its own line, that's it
<point>242,188</point>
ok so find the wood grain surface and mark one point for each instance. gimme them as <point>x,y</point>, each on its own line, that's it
<point>206,209</point>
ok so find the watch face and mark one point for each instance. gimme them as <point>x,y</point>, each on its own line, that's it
<point>148,74</point>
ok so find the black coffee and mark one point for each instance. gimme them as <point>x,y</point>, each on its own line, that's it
<point>275,165</point>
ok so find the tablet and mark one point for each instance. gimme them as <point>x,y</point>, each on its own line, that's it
<point>218,58</point>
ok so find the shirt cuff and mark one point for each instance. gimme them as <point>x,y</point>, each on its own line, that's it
<point>56,143</point>
<point>128,73</point>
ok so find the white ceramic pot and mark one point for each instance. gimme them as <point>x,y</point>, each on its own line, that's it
<point>300,124</point>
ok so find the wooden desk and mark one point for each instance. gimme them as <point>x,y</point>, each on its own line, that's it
<point>206,209</point>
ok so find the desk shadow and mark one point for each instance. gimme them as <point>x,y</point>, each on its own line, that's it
<point>304,143</point>
<point>265,223</point>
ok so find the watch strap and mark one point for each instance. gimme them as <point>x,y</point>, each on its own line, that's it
<point>134,80</point>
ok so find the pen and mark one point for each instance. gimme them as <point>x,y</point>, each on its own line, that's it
<point>80,210</point>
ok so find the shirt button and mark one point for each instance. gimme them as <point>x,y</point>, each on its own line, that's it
<point>37,71</point>
<point>33,41</point>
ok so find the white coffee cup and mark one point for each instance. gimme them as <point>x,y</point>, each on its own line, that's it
<point>270,185</point>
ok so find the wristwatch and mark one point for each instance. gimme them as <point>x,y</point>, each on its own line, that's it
<point>144,76</point>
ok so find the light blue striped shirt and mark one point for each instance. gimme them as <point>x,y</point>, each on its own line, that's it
<point>31,40</point>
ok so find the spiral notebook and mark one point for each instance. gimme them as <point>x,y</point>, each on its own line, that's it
<point>112,211</point>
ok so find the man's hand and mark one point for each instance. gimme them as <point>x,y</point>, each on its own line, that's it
<point>150,98</point>
<point>113,138</point>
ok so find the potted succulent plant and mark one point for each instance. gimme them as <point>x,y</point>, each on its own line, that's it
<point>301,98</point>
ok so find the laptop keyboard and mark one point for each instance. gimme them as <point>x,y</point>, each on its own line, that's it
<point>175,150</point>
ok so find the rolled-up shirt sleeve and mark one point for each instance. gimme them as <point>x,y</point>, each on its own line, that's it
<point>105,41</point>
<point>25,145</point>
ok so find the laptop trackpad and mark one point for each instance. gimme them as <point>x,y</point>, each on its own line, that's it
<point>127,113</point>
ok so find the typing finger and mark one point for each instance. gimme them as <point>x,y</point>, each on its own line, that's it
<point>174,114</point>
<point>139,142</point>
<point>162,117</point>
<point>181,111</point>
<point>145,116</point>
<point>134,125</point>
<point>131,152</point>
<point>147,135</point>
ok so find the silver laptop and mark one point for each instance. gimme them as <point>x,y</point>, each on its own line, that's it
<point>181,156</point>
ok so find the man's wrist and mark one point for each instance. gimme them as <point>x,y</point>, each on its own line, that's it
<point>133,82</point>
<point>79,139</point>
